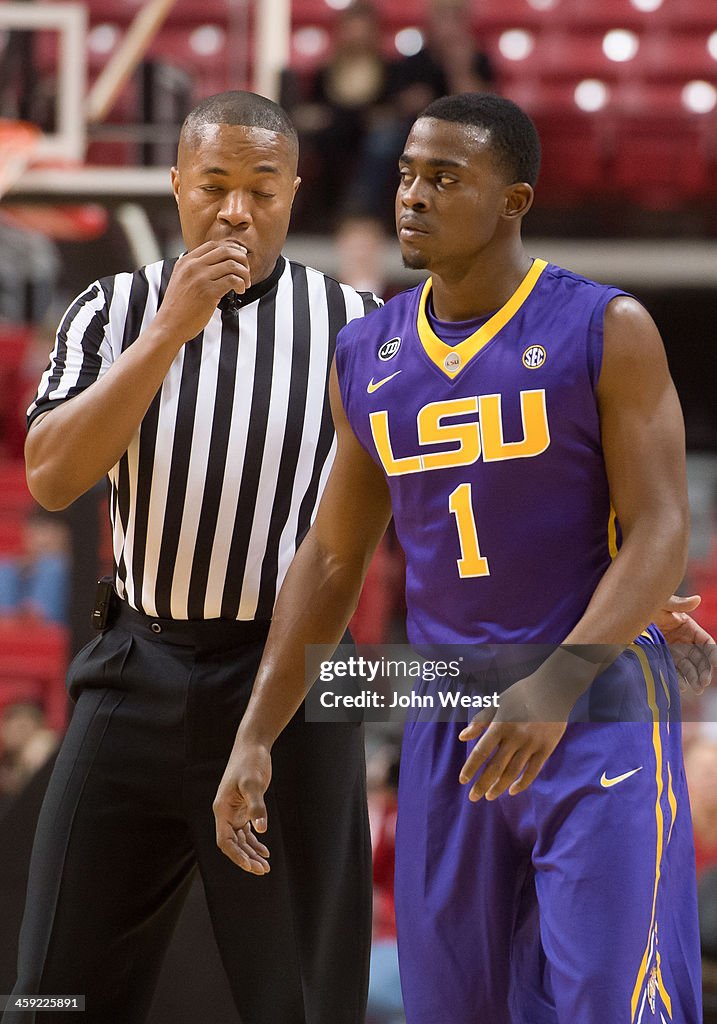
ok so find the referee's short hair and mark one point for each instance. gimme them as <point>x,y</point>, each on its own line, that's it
<point>512,136</point>
<point>239,108</point>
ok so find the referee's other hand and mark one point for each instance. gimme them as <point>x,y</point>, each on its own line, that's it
<point>200,279</point>
<point>239,808</point>
<point>693,649</point>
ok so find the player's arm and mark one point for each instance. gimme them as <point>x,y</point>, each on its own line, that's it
<point>73,445</point>
<point>644,449</point>
<point>317,599</point>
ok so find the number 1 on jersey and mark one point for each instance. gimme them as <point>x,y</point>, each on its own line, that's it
<point>471,563</point>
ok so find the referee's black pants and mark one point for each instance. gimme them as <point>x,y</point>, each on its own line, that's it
<point>127,819</point>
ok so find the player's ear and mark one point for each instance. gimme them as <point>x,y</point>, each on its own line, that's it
<point>297,182</point>
<point>175,183</point>
<point>518,198</point>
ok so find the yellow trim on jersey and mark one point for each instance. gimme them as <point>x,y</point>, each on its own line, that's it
<point>661,985</point>
<point>612,533</point>
<point>659,820</point>
<point>669,706</point>
<point>666,690</point>
<point>672,801</point>
<point>437,350</point>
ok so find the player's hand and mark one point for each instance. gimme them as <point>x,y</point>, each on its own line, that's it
<point>514,740</point>
<point>200,279</point>
<point>239,808</point>
<point>693,650</point>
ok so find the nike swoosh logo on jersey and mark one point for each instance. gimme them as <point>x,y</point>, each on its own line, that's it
<point>607,783</point>
<point>379,383</point>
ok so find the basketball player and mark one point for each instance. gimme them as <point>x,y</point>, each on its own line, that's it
<point>521,424</point>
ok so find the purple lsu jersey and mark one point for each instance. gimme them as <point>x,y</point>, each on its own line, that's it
<point>574,901</point>
<point>492,453</point>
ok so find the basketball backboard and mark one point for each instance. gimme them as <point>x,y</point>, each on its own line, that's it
<point>69,21</point>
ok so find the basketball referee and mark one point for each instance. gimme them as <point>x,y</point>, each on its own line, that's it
<point>198,386</point>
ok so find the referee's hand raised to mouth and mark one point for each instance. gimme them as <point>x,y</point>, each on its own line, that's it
<point>199,281</point>
<point>60,464</point>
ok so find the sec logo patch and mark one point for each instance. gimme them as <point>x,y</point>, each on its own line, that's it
<point>534,357</point>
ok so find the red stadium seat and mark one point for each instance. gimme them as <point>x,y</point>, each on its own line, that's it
<point>622,14</point>
<point>579,55</point>
<point>201,50</point>
<point>11,534</point>
<point>392,13</point>
<point>644,98</point>
<point>573,160</point>
<point>538,63</point>
<point>561,55</point>
<point>592,14</point>
<point>14,495</point>
<point>15,503</point>
<point>659,161</point>
<point>312,12</point>
<point>614,14</point>
<point>605,14</point>
<point>14,342</point>
<point>184,12</point>
<point>704,583</point>
<point>33,660</point>
<point>502,14</point>
<point>541,99</point>
<point>178,44</point>
<point>694,13</point>
<point>197,12</point>
<point>676,55</point>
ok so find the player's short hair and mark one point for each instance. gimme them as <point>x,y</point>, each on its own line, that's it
<point>511,134</point>
<point>239,108</point>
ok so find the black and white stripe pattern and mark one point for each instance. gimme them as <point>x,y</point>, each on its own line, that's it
<point>221,482</point>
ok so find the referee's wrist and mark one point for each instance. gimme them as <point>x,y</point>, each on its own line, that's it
<point>164,338</point>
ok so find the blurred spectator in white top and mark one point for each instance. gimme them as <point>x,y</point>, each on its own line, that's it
<point>26,743</point>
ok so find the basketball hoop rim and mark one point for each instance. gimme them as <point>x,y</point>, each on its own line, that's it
<point>19,141</point>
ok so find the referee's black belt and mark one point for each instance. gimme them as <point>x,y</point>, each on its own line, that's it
<point>188,632</point>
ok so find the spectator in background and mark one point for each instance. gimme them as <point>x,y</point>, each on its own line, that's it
<point>37,582</point>
<point>380,613</point>
<point>337,107</point>
<point>701,770</point>
<point>26,743</point>
<point>385,1005</point>
<point>451,61</point>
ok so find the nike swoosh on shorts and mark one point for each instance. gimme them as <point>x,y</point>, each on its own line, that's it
<point>608,783</point>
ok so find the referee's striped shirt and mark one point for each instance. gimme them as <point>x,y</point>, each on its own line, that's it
<point>223,478</point>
